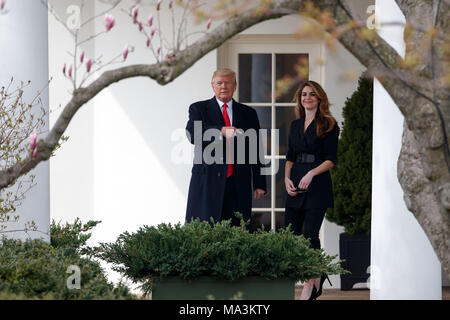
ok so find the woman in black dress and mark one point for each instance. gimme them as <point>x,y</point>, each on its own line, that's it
<point>312,153</point>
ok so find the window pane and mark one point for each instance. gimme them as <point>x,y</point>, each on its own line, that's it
<point>280,199</point>
<point>255,77</point>
<point>260,218</point>
<point>284,117</point>
<point>265,122</point>
<point>280,221</point>
<point>263,218</point>
<point>263,202</point>
<point>290,70</point>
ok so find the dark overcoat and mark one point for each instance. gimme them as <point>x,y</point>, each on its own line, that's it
<point>207,185</point>
<point>320,192</point>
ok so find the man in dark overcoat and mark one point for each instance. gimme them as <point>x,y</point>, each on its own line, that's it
<point>225,172</point>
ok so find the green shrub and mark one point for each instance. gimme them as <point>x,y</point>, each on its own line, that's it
<point>199,249</point>
<point>72,237</point>
<point>352,177</point>
<point>35,269</point>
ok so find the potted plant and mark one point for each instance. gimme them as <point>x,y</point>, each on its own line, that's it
<point>352,185</point>
<point>201,260</point>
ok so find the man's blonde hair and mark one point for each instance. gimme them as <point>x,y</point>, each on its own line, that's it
<point>224,72</point>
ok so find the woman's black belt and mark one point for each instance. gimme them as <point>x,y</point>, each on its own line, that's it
<point>305,158</point>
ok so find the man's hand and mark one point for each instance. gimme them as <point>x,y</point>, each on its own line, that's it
<point>259,193</point>
<point>230,132</point>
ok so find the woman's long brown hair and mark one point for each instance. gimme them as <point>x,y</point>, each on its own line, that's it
<point>324,120</point>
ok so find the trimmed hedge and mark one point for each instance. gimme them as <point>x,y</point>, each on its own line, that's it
<point>200,249</point>
<point>35,269</point>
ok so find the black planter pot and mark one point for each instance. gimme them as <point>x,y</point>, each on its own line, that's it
<point>355,250</point>
<point>203,288</point>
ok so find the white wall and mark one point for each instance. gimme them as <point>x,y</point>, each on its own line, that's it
<point>404,265</point>
<point>24,55</point>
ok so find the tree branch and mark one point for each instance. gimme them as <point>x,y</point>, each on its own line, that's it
<point>376,54</point>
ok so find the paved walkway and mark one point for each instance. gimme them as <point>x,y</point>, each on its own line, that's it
<point>355,294</point>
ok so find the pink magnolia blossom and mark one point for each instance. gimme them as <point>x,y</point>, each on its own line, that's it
<point>150,20</point>
<point>148,42</point>
<point>2,4</point>
<point>208,24</point>
<point>33,144</point>
<point>35,151</point>
<point>152,31</point>
<point>140,26</point>
<point>170,4</point>
<point>88,65</point>
<point>109,21</point>
<point>82,57</point>
<point>33,140</point>
<point>64,69</point>
<point>134,13</point>
<point>125,52</point>
<point>158,51</point>
<point>158,5</point>
<point>70,71</point>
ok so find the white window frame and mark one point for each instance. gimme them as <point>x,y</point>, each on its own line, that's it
<point>227,57</point>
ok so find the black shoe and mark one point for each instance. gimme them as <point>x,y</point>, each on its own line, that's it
<point>319,291</point>
<point>313,295</point>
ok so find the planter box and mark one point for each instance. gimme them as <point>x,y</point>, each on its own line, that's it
<point>251,288</point>
<point>356,252</point>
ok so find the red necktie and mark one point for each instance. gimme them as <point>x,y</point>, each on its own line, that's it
<point>228,124</point>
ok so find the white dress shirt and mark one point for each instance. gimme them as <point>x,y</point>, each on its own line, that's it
<point>229,109</point>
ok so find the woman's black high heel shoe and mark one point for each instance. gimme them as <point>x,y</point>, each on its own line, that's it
<point>319,291</point>
<point>313,293</point>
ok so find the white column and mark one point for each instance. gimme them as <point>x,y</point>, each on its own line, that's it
<point>24,55</point>
<point>403,262</point>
